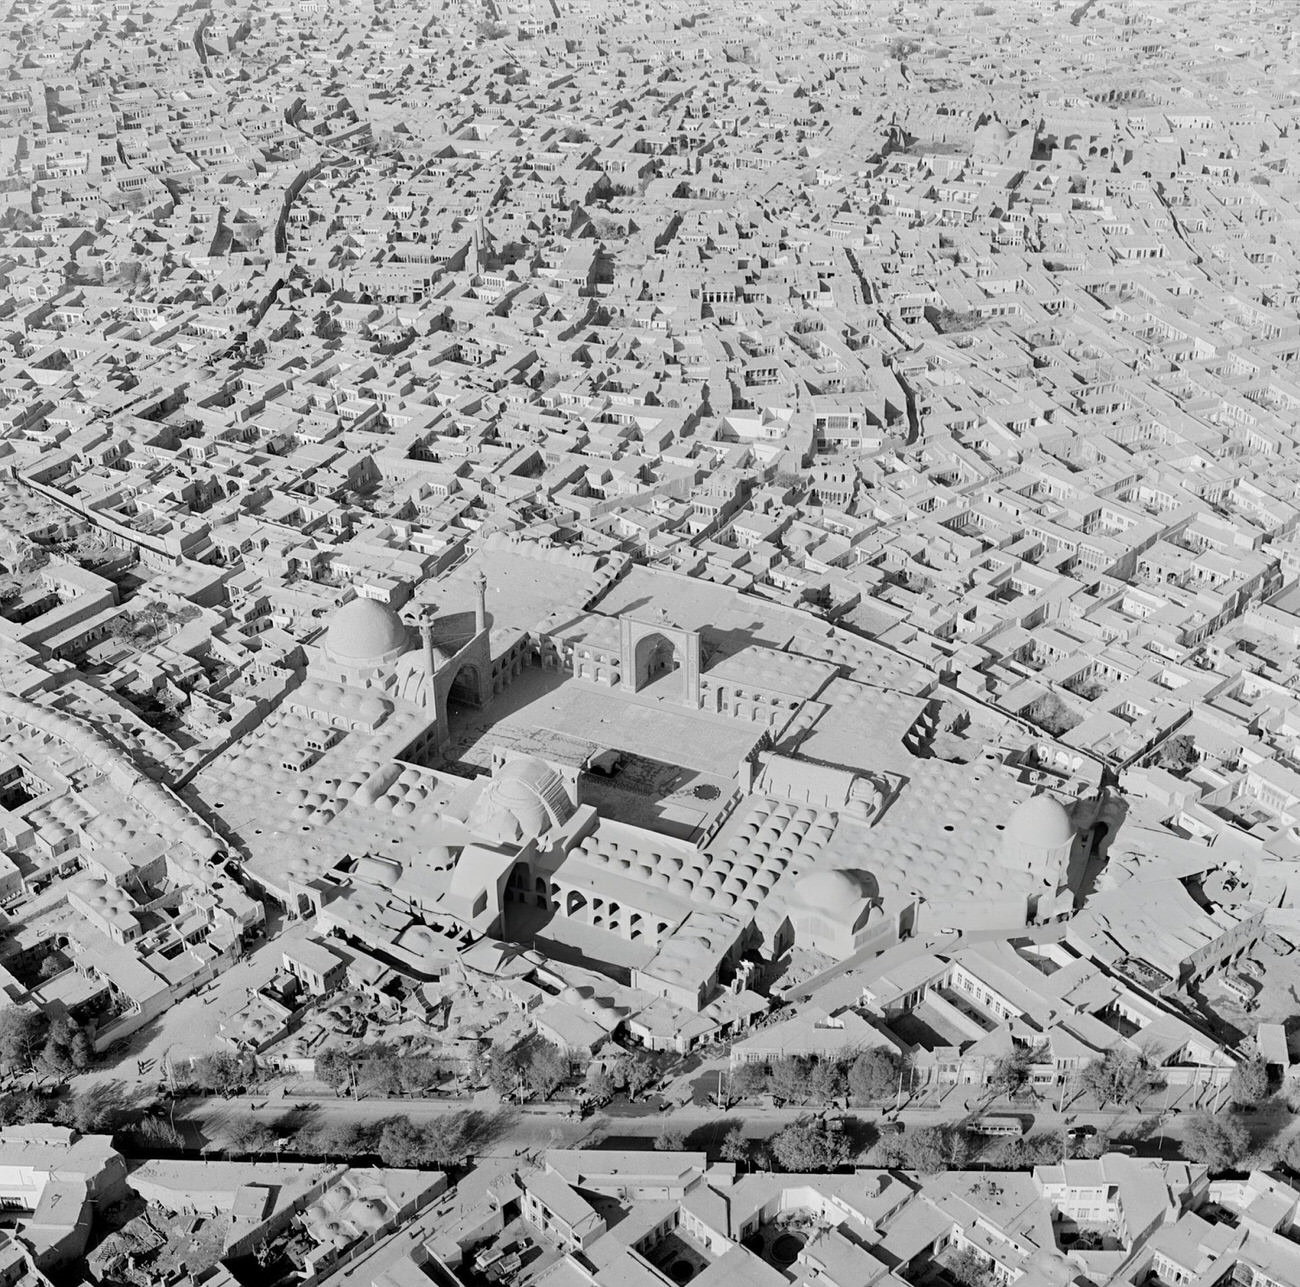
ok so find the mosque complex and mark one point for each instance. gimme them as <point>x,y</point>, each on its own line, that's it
<point>661,780</point>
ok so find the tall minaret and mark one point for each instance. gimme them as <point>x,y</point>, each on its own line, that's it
<point>480,602</point>
<point>426,638</point>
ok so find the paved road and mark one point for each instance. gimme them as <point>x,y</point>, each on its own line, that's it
<point>531,1127</point>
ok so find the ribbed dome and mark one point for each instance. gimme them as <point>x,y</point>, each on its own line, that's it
<point>1040,822</point>
<point>365,630</point>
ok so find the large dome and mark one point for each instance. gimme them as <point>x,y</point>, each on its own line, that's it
<point>834,893</point>
<point>523,801</point>
<point>365,631</point>
<point>1041,823</point>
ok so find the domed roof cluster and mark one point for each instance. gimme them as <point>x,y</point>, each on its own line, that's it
<point>678,958</point>
<point>61,817</point>
<point>105,898</point>
<point>606,1013</point>
<point>169,819</point>
<point>343,1214</point>
<point>360,704</point>
<point>773,839</point>
<point>944,836</point>
<point>253,774</point>
<point>365,632</point>
<point>410,791</point>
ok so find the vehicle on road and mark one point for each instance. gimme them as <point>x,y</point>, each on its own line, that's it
<point>1082,1132</point>
<point>998,1124</point>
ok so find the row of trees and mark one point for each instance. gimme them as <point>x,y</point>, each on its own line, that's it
<point>807,1144</point>
<point>32,1042</point>
<point>875,1075</point>
<point>381,1070</point>
<point>443,1141</point>
<point>631,1074</point>
<point>870,1076</point>
<point>535,1068</point>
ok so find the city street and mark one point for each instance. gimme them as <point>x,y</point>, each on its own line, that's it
<point>206,1120</point>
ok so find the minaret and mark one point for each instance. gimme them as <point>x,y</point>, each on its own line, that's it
<point>426,638</point>
<point>480,603</point>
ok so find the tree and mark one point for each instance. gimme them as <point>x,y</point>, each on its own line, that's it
<point>1047,1148</point>
<point>875,1074</point>
<point>670,1139</point>
<point>749,1079</point>
<point>402,1143</point>
<point>101,1108</point>
<point>1118,1077</point>
<point>506,1070</point>
<point>969,1268</point>
<point>157,1131</point>
<point>1217,1140</point>
<point>598,1085</point>
<point>248,1136</point>
<point>379,1075</point>
<point>222,1072</point>
<point>788,1080</point>
<point>22,1033</point>
<point>1178,754</point>
<point>547,1068</point>
<point>1010,1073</point>
<point>346,1140</point>
<point>808,1144</point>
<point>67,1049</point>
<point>929,1150</point>
<point>30,1106</point>
<point>1095,1145</point>
<point>734,1146</point>
<point>1051,714</point>
<point>638,1071</point>
<point>447,1138</point>
<point>1248,1085</point>
<point>334,1067</point>
<point>825,1081</point>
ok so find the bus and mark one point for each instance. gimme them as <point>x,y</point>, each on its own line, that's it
<point>1000,1124</point>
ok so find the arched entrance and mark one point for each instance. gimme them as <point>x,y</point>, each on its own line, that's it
<point>519,883</point>
<point>656,655</point>
<point>465,689</point>
<point>574,903</point>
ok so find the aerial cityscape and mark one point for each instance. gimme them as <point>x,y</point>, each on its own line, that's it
<point>647,643</point>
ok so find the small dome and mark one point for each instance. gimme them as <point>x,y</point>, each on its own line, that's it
<point>365,631</point>
<point>1041,823</point>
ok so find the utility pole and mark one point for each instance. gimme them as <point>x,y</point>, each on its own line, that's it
<point>1164,1114</point>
